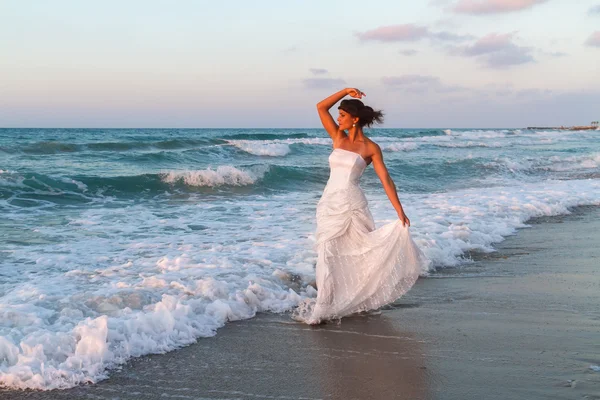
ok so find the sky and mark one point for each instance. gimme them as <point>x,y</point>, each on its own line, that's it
<point>266,63</point>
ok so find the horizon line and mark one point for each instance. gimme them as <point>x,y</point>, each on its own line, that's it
<point>261,127</point>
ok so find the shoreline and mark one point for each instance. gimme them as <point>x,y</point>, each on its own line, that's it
<point>521,322</point>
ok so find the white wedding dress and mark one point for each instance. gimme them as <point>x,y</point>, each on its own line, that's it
<point>359,268</point>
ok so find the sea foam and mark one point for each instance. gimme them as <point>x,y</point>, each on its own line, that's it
<point>117,260</point>
<point>261,148</point>
<point>158,291</point>
<point>276,147</point>
<point>223,175</point>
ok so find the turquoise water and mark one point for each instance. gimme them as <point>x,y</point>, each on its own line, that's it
<point>123,242</point>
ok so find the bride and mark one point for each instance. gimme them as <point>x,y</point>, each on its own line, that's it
<point>359,268</point>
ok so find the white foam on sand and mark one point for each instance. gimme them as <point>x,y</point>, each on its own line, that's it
<point>132,281</point>
<point>136,280</point>
<point>449,224</point>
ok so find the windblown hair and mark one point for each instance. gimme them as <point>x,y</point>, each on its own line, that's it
<point>365,114</point>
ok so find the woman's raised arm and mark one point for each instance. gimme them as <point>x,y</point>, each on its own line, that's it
<point>323,108</point>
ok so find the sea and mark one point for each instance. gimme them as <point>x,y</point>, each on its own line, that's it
<point>118,243</point>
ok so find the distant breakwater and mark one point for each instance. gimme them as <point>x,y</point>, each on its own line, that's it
<point>564,128</point>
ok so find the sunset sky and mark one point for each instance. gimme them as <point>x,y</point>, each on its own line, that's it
<point>264,63</point>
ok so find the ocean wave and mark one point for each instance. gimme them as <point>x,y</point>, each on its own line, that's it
<point>572,163</point>
<point>259,148</point>
<point>507,164</point>
<point>422,133</point>
<point>86,347</point>
<point>562,167</point>
<point>437,141</point>
<point>223,175</point>
<point>117,146</point>
<point>45,190</point>
<point>278,177</point>
<point>281,147</point>
<point>50,148</point>
<point>138,282</point>
<point>448,225</point>
<point>156,292</point>
<point>56,147</point>
<point>379,135</point>
<point>266,136</point>
<point>469,144</point>
<point>276,147</point>
<point>482,134</point>
<point>38,191</point>
<point>399,146</point>
<point>158,249</point>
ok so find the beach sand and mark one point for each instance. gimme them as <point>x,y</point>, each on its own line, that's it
<point>521,323</point>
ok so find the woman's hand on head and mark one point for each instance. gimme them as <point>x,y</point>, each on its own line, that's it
<point>353,92</point>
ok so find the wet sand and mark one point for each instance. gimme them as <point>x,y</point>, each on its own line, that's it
<point>521,323</point>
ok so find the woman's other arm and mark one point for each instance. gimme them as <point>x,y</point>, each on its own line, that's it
<point>388,184</point>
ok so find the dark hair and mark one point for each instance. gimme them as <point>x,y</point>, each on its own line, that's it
<point>365,114</point>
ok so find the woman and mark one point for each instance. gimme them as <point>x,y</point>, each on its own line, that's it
<point>359,268</point>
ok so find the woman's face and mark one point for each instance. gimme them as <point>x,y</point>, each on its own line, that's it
<point>345,120</point>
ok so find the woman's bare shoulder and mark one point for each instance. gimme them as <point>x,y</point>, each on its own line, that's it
<point>372,148</point>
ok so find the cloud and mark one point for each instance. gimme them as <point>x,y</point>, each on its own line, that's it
<point>323,83</point>
<point>496,51</point>
<point>407,33</point>
<point>409,80</point>
<point>450,37</point>
<point>554,53</point>
<point>529,93</point>
<point>488,44</point>
<point>419,84</point>
<point>594,39</point>
<point>439,2</point>
<point>447,22</point>
<point>408,52</point>
<point>395,33</point>
<point>478,7</point>
<point>503,92</point>
<point>595,10</point>
<point>319,71</point>
<point>509,58</point>
<point>500,89</point>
